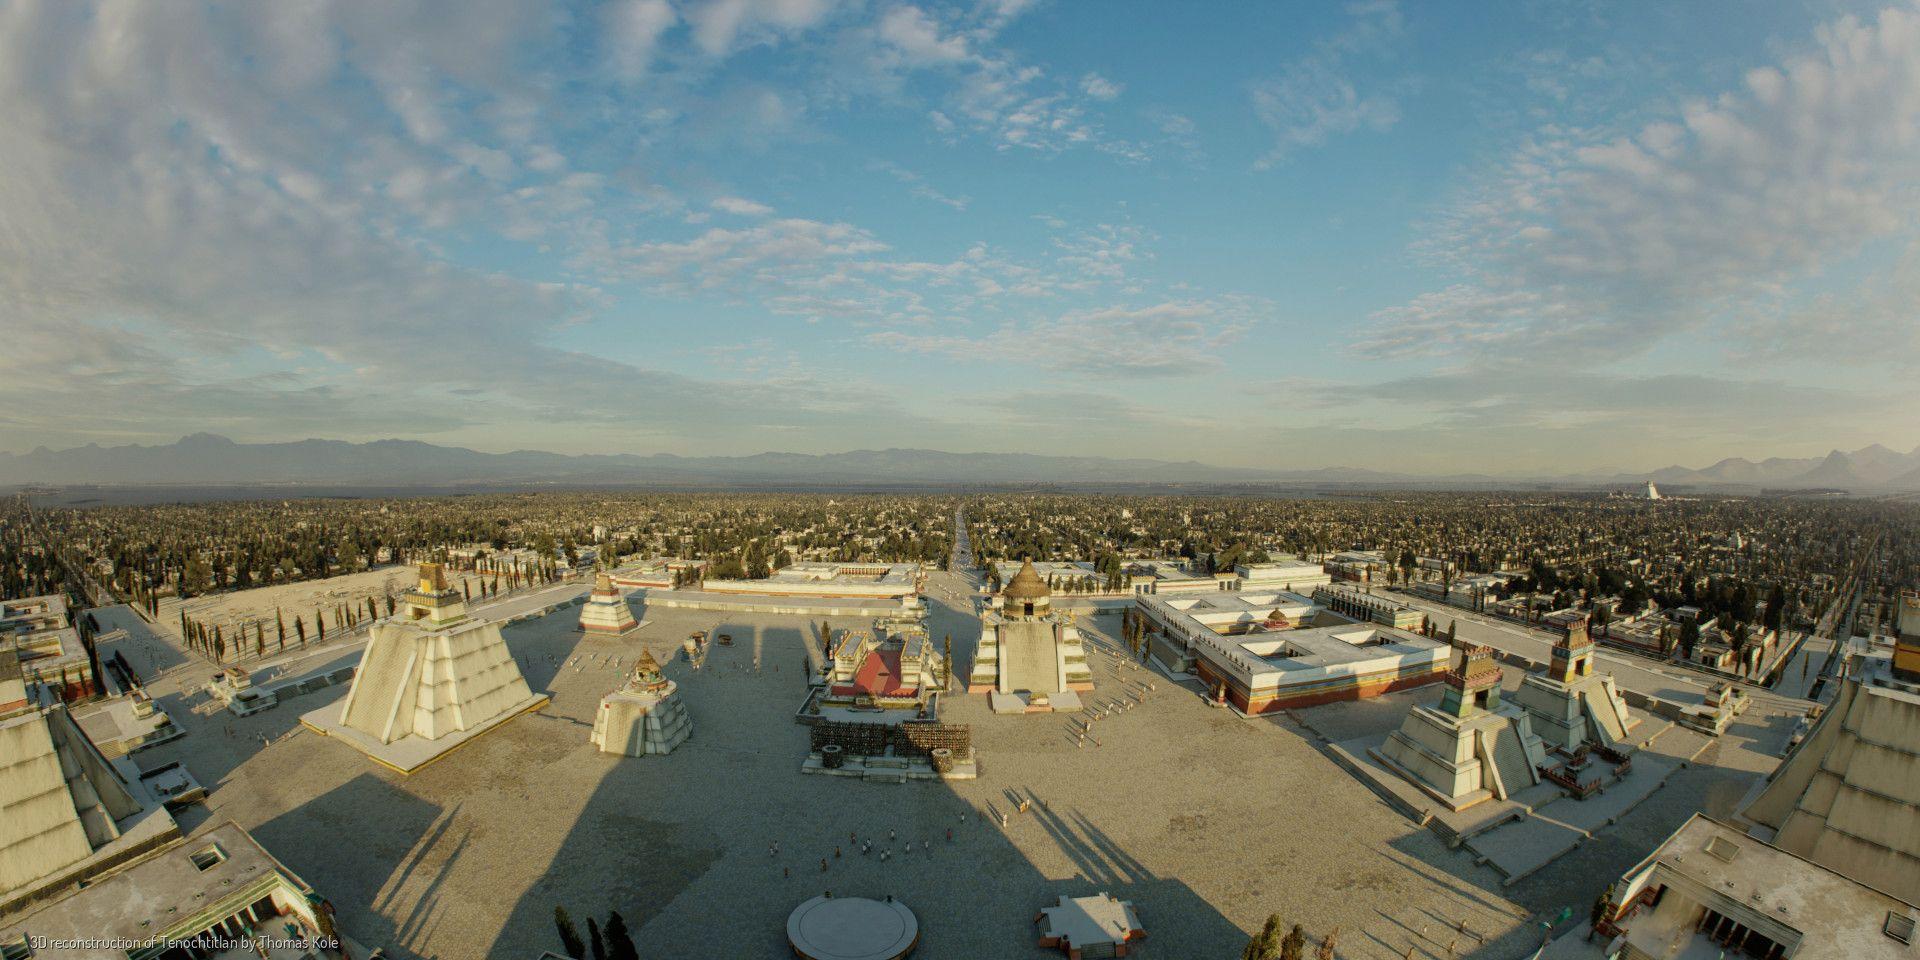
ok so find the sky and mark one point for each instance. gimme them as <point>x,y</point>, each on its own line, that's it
<point>1523,237</point>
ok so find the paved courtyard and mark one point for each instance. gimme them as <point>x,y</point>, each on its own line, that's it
<point>1207,821</point>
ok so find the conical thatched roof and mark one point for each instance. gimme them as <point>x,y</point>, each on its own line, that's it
<point>1026,585</point>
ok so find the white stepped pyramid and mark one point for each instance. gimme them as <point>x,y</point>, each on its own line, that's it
<point>644,716</point>
<point>1570,703</point>
<point>1848,797</point>
<point>1470,748</point>
<point>61,801</point>
<point>431,679</point>
<point>606,611</point>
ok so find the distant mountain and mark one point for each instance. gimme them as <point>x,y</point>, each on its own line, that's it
<point>1872,468</point>
<point>207,459</point>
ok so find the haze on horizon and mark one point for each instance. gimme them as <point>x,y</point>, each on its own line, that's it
<point>1575,236</point>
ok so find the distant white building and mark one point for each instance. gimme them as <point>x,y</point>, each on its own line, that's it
<point>1653,492</point>
<point>1296,576</point>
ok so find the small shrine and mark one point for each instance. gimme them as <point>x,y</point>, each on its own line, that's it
<point>606,612</point>
<point>644,716</point>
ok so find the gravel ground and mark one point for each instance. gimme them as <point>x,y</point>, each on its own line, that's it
<point>1207,821</point>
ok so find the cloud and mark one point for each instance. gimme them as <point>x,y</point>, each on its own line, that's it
<point>913,34</point>
<point>722,26</point>
<point>1099,87</point>
<point>632,31</point>
<point>1172,338</point>
<point>740,207</point>
<point>1714,214</point>
<point>1314,98</point>
<point>918,185</point>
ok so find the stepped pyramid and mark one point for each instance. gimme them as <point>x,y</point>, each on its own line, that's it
<point>1848,797</point>
<point>1471,747</point>
<point>1029,658</point>
<point>644,716</point>
<point>61,800</point>
<point>606,611</point>
<point>431,678</point>
<point>1570,703</point>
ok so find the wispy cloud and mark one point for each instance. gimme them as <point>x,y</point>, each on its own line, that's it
<point>1315,97</point>
<point>1712,215</point>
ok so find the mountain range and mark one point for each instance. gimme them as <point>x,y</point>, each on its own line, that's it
<point>206,459</point>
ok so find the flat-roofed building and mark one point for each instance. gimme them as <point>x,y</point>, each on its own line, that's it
<point>202,898</point>
<point>1356,566</point>
<point>1169,576</point>
<point>1294,575</point>
<point>659,573</point>
<point>887,581</point>
<point>1713,891</point>
<point>1253,649</point>
<point>50,651</point>
<point>1360,605</point>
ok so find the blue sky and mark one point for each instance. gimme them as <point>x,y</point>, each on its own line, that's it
<point>1526,237</point>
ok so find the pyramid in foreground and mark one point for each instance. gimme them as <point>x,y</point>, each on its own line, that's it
<point>1848,797</point>
<point>66,811</point>
<point>432,678</point>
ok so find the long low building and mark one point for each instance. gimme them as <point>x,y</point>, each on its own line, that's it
<point>50,651</point>
<point>893,581</point>
<point>1291,575</point>
<point>1361,605</point>
<point>661,573</point>
<point>1261,651</point>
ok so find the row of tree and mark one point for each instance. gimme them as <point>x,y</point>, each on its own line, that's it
<point>613,942</point>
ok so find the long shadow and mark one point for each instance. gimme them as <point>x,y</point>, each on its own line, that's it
<point>682,845</point>
<point>308,839</point>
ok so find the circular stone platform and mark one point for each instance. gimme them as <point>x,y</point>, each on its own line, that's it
<point>852,928</point>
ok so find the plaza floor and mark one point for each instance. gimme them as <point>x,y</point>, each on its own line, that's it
<point>1208,822</point>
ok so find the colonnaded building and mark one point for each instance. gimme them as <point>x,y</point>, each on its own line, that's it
<point>1275,651</point>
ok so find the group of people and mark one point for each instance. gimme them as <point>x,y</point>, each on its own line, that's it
<point>866,848</point>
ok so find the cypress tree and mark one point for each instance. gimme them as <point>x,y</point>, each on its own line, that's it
<point>594,944</point>
<point>619,942</point>
<point>569,936</point>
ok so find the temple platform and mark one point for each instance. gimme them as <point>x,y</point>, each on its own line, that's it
<point>616,634</point>
<point>412,752</point>
<point>1063,701</point>
<point>891,769</point>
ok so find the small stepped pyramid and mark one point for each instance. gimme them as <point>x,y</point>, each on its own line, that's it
<point>606,612</point>
<point>644,716</point>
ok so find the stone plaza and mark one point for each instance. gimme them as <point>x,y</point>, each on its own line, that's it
<point>1206,820</point>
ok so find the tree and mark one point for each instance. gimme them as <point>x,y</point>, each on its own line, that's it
<point>1294,947</point>
<point>1326,946</point>
<point>569,935</point>
<point>1265,945</point>
<point>619,942</point>
<point>594,943</point>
